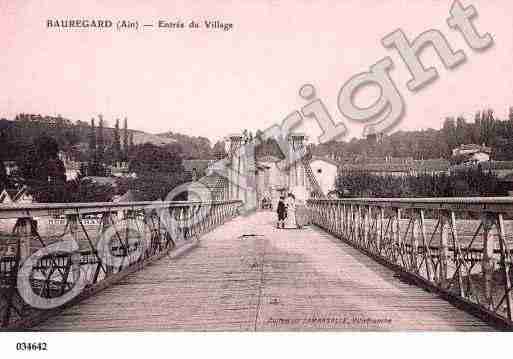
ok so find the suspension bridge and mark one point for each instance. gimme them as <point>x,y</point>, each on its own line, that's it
<point>361,264</point>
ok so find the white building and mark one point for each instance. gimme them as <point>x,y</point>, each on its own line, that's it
<point>472,153</point>
<point>71,167</point>
<point>10,167</point>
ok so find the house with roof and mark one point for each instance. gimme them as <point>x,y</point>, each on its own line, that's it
<point>471,153</point>
<point>120,169</point>
<point>71,165</point>
<point>10,167</point>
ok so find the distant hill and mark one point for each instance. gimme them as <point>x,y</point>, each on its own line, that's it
<point>141,137</point>
<point>66,133</point>
<point>193,147</point>
<point>75,136</point>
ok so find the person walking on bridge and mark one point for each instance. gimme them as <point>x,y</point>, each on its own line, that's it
<point>282,212</point>
<point>290,203</point>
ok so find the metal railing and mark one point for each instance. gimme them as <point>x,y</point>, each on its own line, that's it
<point>461,248</point>
<point>57,249</point>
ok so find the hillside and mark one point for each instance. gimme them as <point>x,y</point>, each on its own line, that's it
<point>193,147</point>
<point>141,137</point>
<point>66,133</point>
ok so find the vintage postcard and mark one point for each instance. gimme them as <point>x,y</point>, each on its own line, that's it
<point>257,166</point>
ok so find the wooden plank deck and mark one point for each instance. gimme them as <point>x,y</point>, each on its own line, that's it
<point>276,280</point>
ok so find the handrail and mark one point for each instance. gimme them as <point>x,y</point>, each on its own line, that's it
<point>83,259</point>
<point>461,248</point>
<point>468,200</point>
<point>8,211</point>
<point>471,204</point>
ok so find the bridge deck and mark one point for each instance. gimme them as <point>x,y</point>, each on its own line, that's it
<point>277,280</point>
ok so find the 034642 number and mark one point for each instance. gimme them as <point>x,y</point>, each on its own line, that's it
<point>23,346</point>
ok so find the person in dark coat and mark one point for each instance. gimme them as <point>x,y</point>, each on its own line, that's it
<point>282,212</point>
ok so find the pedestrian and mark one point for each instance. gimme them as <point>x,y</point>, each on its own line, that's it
<point>282,212</point>
<point>290,203</point>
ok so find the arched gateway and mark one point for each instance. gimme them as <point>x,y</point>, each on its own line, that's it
<point>258,173</point>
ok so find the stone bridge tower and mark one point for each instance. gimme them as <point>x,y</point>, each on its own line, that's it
<point>244,175</point>
<point>296,169</point>
<point>235,165</point>
<point>301,180</point>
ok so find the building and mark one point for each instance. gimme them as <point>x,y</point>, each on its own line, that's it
<point>10,167</point>
<point>71,167</point>
<point>119,169</point>
<point>47,120</point>
<point>471,153</point>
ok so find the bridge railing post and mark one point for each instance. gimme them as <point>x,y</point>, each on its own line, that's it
<point>397,247</point>
<point>365,226</point>
<point>414,243</point>
<point>443,249</point>
<point>427,250</point>
<point>505,264</point>
<point>22,232</point>
<point>381,227</point>
<point>488,262</point>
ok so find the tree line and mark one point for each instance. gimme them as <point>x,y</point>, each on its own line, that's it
<point>470,182</point>
<point>429,144</point>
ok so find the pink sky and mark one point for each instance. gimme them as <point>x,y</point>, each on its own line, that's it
<point>211,83</point>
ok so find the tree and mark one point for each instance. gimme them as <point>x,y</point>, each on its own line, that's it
<point>449,132</point>
<point>461,131</point>
<point>159,170</point>
<point>149,158</point>
<point>41,165</point>
<point>116,145</point>
<point>92,142</point>
<point>125,139</point>
<point>155,186</point>
<point>77,190</point>
<point>100,149</point>
<point>476,129</point>
<point>488,134</point>
<point>131,144</point>
<point>93,167</point>
<point>3,175</point>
